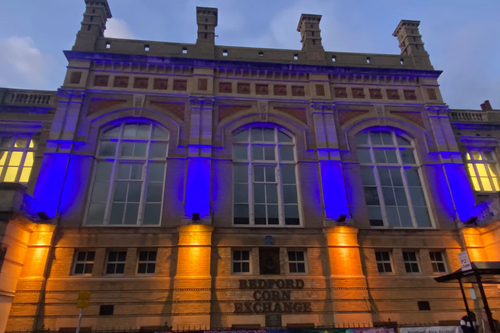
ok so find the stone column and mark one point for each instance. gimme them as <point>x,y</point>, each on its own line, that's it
<point>193,281</point>
<point>451,159</point>
<point>329,163</point>
<point>347,279</point>
<point>197,195</point>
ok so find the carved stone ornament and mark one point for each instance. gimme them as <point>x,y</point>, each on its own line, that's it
<point>263,110</point>
<point>323,106</point>
<point>438,109</point>
<point>139,100</point>
<point>69,93</point>
<point>201,101</point>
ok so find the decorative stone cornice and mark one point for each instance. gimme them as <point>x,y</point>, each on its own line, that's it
<point>70,93</point>
<point>202,101</point>
<point>323,106</point>
<point>439,110</point>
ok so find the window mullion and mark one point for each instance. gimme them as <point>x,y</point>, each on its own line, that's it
<point>478,177</point>
<point>144,188</point>
<point>21,164</point>
<point>109,201</point>
<point>281,201</point>
<point>408,196</point>
<point>380,196</point>
<point>251,193</point>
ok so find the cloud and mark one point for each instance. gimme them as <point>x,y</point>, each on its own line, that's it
<point>22,65</point>
<point>118,28</point>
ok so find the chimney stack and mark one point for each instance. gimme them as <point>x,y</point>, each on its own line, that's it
<point>486,106</point>
<point>410,42</point>
<point>310,35</point>
<point>94,22</point>
<point>206,18</point>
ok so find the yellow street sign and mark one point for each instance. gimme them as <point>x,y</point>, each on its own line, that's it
<point>81,304</point>
<point>83,299</point>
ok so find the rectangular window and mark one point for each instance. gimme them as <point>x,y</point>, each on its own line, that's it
<point>17,155</point>
<point>482,167</point>
<point>147,262</point>
<point>296,262</point>
<point>241,261</point>
<point>269,261</point>
<point>411,262</point>
<point>383,259</point>
<point>437,261</point>
<point>84,263</point>
<point>116,262</point>
<point>106,310</point>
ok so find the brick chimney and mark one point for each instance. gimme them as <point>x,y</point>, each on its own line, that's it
<point>486,106</point>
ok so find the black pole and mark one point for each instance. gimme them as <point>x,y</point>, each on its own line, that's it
<point>485,302</point>
<point>466,304</point>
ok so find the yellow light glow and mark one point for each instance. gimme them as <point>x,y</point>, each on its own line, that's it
<point>10,175</point>
<point>3,157</point>
<point>15,158</point>
<point>467,157</point>
<point>477,156</point>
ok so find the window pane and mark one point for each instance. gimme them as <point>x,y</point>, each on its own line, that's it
<point>141,269</point>
<point>158,149</point>
<point>422,217</point>
<point>11,174</point>
<point>134,192</point>
<point>401,196</point>
<point>156,171</point>
<point>300,256</point>
<point>116,213</point>
<point>282,137</point>
<point>376,138</point>
<point>476,155</point>
<point>15,158</point>
<point>131,214</point>
<point>120,268</point>
<point>407,156</point>
<point>270,173</point>
<point>375,216</point>
<point>25,174</point>
<point>391,156</point>
<point>155,191</point>
<point>245,267</point>
<point>417,197</point>
<point>241,193</point>
<point>257,153</point>
<point>288,174</point>
<point>143,131</point>
<point>241,137</point>
<point>291,255</point>
<point>143,256</point>
<point>100,192</point>
<point>292,215</point>
<point>120,193</point>
<point>259,193</point>
<point>367,176</point>
<point>385,178</point>
<point>364,155</point>
<point>112,133</point>
<point>123,171</point>
<point>6,141</point>
<point>389,198</point>
<point>126,149</point>
<point>393,217</point>
<point>159,133</point>
<point>405,216</point>
<point>272,193</point>
<point>292,268</point>
<point>241,214</point>
<point>258,174</point>
<point>240,173</point>
<point>96,214</point>
<point>286,153</point>
<point>88,268</point>
<point>412,177</point>
<point>140,149</point>
<point>103,171</point>
<point>240,152</point>
<point>151,268</point>
<point>28,159</point>
<point>79,268</point>
<point>256,134</point>
<point>289,194</point>
<point>387,138</point>
<point>152,256</point>
<point>108,148</point>
<point>130,130</point>
<point>402,141</point>
<point>272,214</point>
<point>361,138</point>
<point>151,214</point>
<point>269,154</point>
<point>396,177</point>
<point>136,171</point>
<point>260,214</point>
<point>269,134</point>
<point>371,196</point>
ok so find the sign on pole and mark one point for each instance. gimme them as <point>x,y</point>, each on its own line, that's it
<point>464,261</point>
<point>83,299</point>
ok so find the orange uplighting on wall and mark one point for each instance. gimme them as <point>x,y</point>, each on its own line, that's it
<point>474,242</point>
<point>194,250</point>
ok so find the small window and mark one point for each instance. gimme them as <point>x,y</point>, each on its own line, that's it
<point>17,155</point>
<point>296,262</point>
<point>295,57</point>
<point>383,261</point>
<point>424,306</point>
<point>108,45</point>
<point>334,58</point>
<point>437,262</point>
<point>84,263</point>
<point>106,310</point>
<point>224,53</point>
<point>146,48</point>
<point>367,60</point>
<point>261,54</point>
<point>147,262</point>
<point>206,36</point>
<point>116,262</point>
<point>402,61</point>
<point>241,262</point>
<point>269,261</point>
<point>184,50</point>
<point>411,262</point>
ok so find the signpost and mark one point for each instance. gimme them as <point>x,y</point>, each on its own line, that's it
<point>464,261</point>
<point>82,302</point>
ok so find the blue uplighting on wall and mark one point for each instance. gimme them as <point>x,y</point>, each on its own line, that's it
<point>334,194</point>
<point>460,190</point>
<point>197,196</point>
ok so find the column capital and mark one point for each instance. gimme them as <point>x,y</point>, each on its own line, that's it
<point>323,106</point>
<point>71,93</point>
<point>437,109</point>
<point>202,101</point>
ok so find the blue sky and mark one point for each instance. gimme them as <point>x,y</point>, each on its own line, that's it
<point>461,36</point>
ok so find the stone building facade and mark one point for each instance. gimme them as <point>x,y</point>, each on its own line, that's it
<point>213,186</point>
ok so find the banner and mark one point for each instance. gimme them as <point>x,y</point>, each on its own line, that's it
<point>432,329</point>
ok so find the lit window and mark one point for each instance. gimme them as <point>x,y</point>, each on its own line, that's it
<point>483,170</point>
<point>437,262</point>
<point>116,262</point>
<point>383,259</point>
<point>84,263</point>
<point>264,178</point>
<point>411,262</point>
<point>147,262</point>
<point>296,262</point>
<point>129,176</point>
<point>391,180</point>
<point>241,261</point>
<point>16,158</point>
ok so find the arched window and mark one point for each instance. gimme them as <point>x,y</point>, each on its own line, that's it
<point>391,180</point>
<point>129,175</point>
<point>16,158</point>
<point>264,178</point>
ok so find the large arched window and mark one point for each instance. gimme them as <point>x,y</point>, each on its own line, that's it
<point>129,175</point>
<point>391,180</point>
<point>16,158</point>
<point>264,178</point>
